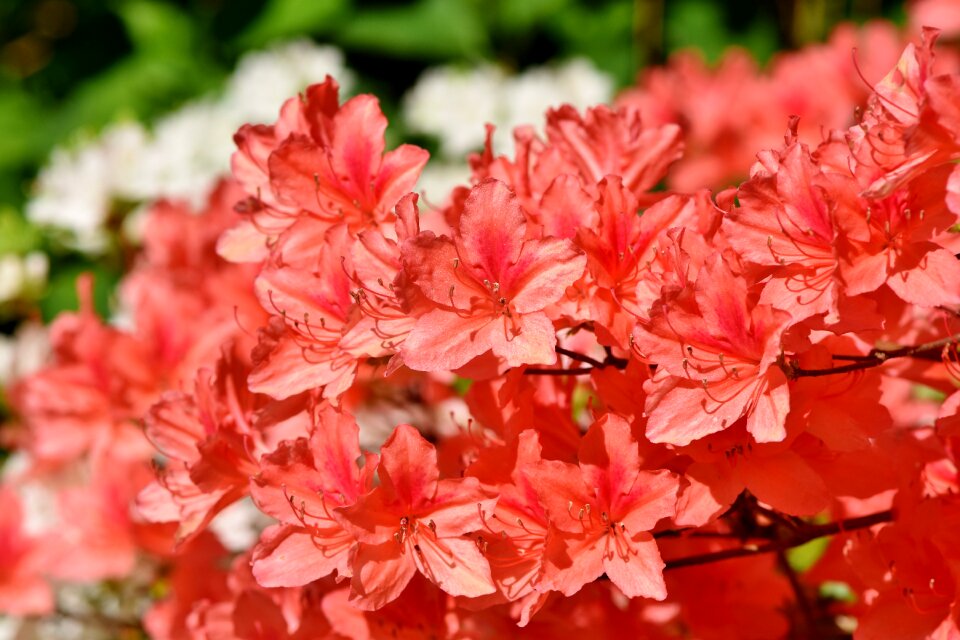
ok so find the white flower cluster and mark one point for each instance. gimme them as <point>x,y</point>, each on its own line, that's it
<point>23,352</point>
<point>20,274</point>
<point>454,104</point>
<point>185,152</point>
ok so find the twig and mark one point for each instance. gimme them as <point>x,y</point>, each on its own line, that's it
<point>610,361</point>
<point>579,357</point>
<point>536,371</point>
<point>875,358</point>
<point>801,536</point>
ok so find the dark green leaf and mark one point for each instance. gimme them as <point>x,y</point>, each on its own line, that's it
<point>428,29</point>
<point>289,18</point>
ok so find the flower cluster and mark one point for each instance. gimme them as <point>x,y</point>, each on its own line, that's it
<point>181,156</point>
<point>611,407</point>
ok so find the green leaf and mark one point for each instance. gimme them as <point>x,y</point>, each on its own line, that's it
<point>141,85</point>
<point>806,555</point>
<point>16,234</point>
<point>428,29</point>
<point>514,17</point>
<point>22,120</point>
<point>602,33</point>
<point>582,398</point>
<point>288,18</point>
<point>835,590</point>
<point>61,293</point>
<point>927,394</point>
<point>462,385</point>
<point>697,24</point>
<point>158,27</point>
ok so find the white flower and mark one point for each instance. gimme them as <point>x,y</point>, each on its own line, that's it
<point>23,353</point>
<point>454,104</point>
<point>76,190</point>
<point>438,180</point>
<point>238,526</point>
<point>186,152</point>
<point>264,80</point>
<point>20,274</point>
<point>575,82</point>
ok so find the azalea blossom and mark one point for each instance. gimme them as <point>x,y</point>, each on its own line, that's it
<point>414,522</point>
<point>490,286</point>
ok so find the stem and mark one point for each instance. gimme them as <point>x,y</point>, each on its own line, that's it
<point>800,595</point>
<point>610,361</point>
<point>535,371</point>
<point>802,536</point>
<point>579,357</point>
<point>875,358</point>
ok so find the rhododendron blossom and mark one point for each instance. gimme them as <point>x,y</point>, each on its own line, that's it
<point>561,400</point>
<point>415,522</point>
<point>490,286</point>
<point>602,516</point>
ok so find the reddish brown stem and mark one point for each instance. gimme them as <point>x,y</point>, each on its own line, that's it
<point>536,371</point>
<point>801,536</point>
<point>875,358</point>
<point>610,361</point>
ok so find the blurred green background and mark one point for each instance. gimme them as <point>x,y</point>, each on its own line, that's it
<point>67,65</point>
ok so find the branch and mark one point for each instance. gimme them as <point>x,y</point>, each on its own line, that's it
<point>876,357</point>
<point>579,357</point>
<point>536,371</point>
<point>609,361</point>
<point>801,536</point>
<point>804,606</point>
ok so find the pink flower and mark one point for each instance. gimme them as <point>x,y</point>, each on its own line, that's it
<point>414,522</point>
<point>490,286</point>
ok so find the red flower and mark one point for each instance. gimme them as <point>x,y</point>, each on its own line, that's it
<point>601,513</point>
<point>715,351</point>
<point>415,522</point>
<point>301,484</point>
<point>490,285</point>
